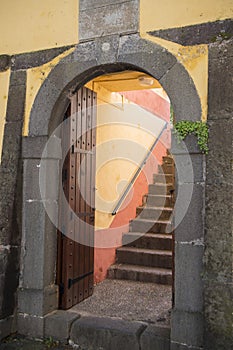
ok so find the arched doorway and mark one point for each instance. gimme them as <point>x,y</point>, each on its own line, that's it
<point>133,140</point>
<point>86,62</point>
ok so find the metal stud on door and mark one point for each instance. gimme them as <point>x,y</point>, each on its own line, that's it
<point>76,260</point>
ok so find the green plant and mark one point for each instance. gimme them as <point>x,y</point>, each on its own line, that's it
<point>199,129</point>
<point>50,342</point>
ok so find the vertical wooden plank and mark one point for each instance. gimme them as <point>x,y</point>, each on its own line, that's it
<point>69,239</point>
<point>92,187</point>
<point>82,206</point>
<point>72,190</point>
<point>75,259</point>
<point>77,200</point>
<point>85,190</point>
<point>93,172</point>
<point>88,267</point>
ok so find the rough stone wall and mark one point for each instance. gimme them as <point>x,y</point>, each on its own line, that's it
<point>11,182</point>
<point>10,189</point>
<point>218,276</point>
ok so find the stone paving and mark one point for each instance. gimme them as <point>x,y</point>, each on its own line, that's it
<point>119,315</point>
<point>129,300</point>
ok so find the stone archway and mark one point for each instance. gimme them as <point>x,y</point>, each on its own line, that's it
<point>91,59</point>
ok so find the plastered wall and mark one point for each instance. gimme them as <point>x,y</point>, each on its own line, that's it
<point>32,26</point>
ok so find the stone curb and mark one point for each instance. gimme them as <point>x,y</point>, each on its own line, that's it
<point>87,332</point>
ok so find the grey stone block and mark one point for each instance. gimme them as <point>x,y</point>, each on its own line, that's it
<point>7,326</point>
<point>177,346</point>
<point>89,4</point>
<point>2,280</point>
<point>107,333</point>
<point>218,259</point>
<point>18,78</point>
<point>3,260</point>
<point>31,188</point>
<point>220,102</point>
<point>35,59</point>
<point>188,107</point>
<point>11,147</point>
<point>203,33</point>
<point>32,147</point>
<point>10,282</point>
<point>188,277</point>
<point>50,251</point>
<point>219,210</point>
<point>221,49</point>
<point>152,57</point>
<point>188,146</point>
<point>107,48</point>
<point>58,324</point>
<point>38,232</point>
<point>32,326</point>
<point>218,315</point>
<point>156,338</point>
<point>112,19</point>
<point>5,62</point>
<point>40,123</point>
<point>190,168</point>
<point>218,160</point>
<point>187,328</point>
<point>32,245</point>
<point>10,185</point>
<point>40,179</point>
<point>38,302</point>
<point>52,148</point>
<point>189,213</point>
<point>16,102</point>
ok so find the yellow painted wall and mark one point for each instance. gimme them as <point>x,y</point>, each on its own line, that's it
<point>35,78</point>
<point>117,162</point>
<point>157,14</point>
<point>30,25</point>
<point>195,60</point>
<point>4,87</point>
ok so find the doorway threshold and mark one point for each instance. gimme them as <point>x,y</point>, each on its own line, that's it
<point>120,314</point>
<point>129,300</point>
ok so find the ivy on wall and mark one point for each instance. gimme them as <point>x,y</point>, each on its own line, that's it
<point>199,129</point>
<point>184,128</point>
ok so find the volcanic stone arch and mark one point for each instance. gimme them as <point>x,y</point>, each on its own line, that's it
<point>87,61</point>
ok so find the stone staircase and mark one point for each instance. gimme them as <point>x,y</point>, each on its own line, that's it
<point>146,254</point>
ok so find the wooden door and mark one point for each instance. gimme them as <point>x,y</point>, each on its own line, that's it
<point>75,263</point>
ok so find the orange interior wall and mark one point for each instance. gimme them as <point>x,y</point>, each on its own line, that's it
<point>104,257</point>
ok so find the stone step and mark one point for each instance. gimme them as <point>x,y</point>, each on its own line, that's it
<point>168,160</point>
<point>154,213</point>
<point>166,168</point>
<point>163,178</point>
<point>147,241</point>
<point>140,273</point>
<point>159,200</point>
<point>144,257</point>
<point>160,189</point>
<point>144,225</point>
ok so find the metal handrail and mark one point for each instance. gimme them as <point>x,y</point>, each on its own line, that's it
<point>137,172</point>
